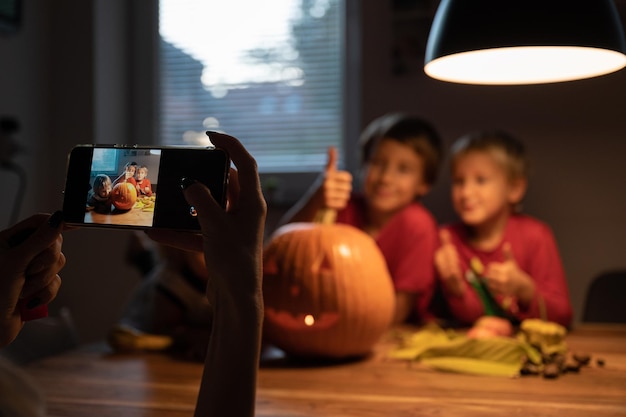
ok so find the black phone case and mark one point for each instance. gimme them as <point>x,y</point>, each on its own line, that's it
<point>209,166</point>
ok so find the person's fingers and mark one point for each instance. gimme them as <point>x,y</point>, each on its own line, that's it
<point>507,252</point>
<point>50,258</point>
<point>199,196</point>
<point>342,192</point>
<point>31,237</point>
<point>340,179</point>
<point>46,264</point>
<point>331,163</point>
<point>233,190</point>
<point>494,286</point>
<point>36,282</point>
<point>33,228</point>
<point>43,293</point>
<point>249,182</point>
<point>444,237</point>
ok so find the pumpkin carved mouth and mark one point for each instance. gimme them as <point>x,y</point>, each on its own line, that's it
<point>301,321</point>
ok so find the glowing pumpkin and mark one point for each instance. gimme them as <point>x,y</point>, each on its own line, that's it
<point>124,196</point>
<point>327,291</point>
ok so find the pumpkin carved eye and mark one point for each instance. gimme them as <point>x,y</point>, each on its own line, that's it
<point>325,266</point>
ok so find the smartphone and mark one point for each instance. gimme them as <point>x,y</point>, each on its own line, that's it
<point>138,187</point>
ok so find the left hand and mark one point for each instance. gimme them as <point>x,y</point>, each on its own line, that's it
<point>30,260</point>
<point>507,278</point>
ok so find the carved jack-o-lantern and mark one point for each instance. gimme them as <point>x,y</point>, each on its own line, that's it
<point>327,291</point>
<point>124,196</point>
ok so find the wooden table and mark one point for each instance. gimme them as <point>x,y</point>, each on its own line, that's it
<point>136,216</point>
<point>94,382</point>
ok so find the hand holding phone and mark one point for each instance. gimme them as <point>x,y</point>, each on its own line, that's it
<point>30,260</point>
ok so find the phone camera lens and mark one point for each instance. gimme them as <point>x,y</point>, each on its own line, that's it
<point>193,211</point>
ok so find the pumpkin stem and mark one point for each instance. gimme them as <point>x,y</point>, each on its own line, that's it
<point>325,216</point>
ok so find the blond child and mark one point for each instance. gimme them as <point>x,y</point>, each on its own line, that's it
<point>516,255</point>
<point>144,186</point>
<point>400,157</point>
<point>99,197</point>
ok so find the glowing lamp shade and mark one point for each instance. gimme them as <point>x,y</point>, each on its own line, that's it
<point>524,42</point>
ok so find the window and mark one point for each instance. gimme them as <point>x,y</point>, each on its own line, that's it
<point>270,73</point>
<point>104,160</point>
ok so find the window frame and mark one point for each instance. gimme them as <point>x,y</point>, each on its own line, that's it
<point>145,95</point>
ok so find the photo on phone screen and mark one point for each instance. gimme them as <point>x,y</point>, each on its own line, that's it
<point>139,187</point>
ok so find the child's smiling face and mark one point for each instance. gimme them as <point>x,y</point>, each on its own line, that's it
<point>141,174</point>
<point>394,177</point>
<point>482,192</point>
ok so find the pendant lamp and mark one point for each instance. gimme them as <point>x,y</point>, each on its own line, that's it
<point>524,41</point>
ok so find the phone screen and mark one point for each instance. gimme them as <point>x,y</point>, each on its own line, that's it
<point>139,187</point>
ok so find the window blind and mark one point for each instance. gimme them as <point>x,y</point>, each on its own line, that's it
<point>269,73</point>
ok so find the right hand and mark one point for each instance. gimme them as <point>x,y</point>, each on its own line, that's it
<point>336,187</point>
<point>231,239</point>
<point>448,264</point>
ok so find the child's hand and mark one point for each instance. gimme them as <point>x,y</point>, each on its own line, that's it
<point>506,278</point>
<point>336,188</point>
<point>448,265</point>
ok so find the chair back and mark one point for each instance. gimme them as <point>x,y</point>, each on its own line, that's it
<point>606,298</point>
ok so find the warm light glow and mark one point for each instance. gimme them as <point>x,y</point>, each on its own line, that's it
<point>309,320</point>
<point>344,250</point>
<point>525,65</point>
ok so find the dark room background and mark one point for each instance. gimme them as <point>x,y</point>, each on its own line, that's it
<point>74,72</point>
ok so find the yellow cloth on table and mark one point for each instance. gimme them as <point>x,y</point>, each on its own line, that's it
<point>451,351</point>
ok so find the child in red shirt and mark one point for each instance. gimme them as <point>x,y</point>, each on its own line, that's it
<point>515,254</point>
<point>128,175</point>
<point>144,187</point>
<point>401,155</point>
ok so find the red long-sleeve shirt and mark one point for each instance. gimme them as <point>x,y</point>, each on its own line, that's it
<point>144,187</point>
<point>535,251</point>
<point>408,243</point>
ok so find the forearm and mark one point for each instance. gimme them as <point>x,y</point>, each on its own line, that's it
<point>228,386</point>
<point>526,292</point>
